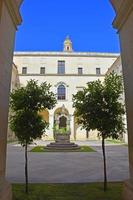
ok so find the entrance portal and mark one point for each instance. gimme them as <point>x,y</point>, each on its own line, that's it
<point>62,119</point>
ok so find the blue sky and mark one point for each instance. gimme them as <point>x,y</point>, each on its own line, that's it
<point>47,23</point>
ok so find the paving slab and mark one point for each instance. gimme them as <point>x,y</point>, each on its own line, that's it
<point>68,167</point>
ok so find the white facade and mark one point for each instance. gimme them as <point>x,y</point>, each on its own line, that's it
<point>14,78</point>
<point>14,84</point>
<point>79,69</point>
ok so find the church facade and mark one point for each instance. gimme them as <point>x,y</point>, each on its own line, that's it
<point>67,72</point>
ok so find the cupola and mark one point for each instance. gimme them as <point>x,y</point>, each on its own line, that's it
<point>68,45</point>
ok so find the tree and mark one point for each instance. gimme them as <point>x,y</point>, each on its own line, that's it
<point>98,107</point>
<point>26,103</point>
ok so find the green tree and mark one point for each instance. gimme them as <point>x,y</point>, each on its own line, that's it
<point>25,121</point>
<point>99,107</point>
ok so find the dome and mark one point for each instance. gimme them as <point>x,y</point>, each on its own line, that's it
<point>67,40</point>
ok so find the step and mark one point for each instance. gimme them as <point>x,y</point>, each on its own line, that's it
<point>63,148</point>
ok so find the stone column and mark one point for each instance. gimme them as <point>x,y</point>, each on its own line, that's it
<point>68,124</point>
<point>51,126</point>
<point>9,19</point>
<point>72,127</point>
<point>124,24</point>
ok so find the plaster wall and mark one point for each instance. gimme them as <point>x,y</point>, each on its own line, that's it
<point>126,36</point>
<point>7,30</point>
<point>9,19</point>
<point>89,62</point>
<point>72,81</point>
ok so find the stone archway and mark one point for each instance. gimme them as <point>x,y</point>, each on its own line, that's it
<point>79,134</point>
<point>62,118</point>
<point>45,115</point>
<point>123,22</point>
<point>9,19</point>
<point>82,134</point>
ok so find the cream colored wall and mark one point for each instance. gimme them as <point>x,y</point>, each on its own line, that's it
<point>7,31</point>
<point>123,22</point>
<point>72,81</point>
<point>9,19</point>
<point>116,67</point>
<point>89,62</point>
<point>15,82</point>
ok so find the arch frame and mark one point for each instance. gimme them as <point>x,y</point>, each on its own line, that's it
<point>66,88</point>
<point>123,22</point>
<point>61,92</point>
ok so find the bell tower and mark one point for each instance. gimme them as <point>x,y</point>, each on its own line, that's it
<point>68,45</point>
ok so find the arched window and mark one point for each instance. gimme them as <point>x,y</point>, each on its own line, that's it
<point>61,92</point>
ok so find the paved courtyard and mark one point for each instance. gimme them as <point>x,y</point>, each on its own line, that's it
<point>68,167</point>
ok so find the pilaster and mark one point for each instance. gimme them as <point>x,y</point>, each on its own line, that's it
<point>72,127</point>
<point>9,19</point>
<point>13,10</point>
<point>123,22</point>
<point>51,126</point>
<point>1,3</point>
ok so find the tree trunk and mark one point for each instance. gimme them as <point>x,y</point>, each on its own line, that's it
<point>104,160</point>
<point>87,134</point>
<point>26,170</point>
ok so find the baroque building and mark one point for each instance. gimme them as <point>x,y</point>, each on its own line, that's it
<point>10,19</point>
<point>67,72</point>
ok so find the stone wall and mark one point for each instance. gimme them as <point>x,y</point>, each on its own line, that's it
<point>9,19</point>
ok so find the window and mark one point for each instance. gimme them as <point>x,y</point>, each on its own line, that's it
<point>80,70</point>
<point>24,70</point>
<point>98,71</point>
<point>61,92</point>
<point>42,70</point>
<point>61,67</point>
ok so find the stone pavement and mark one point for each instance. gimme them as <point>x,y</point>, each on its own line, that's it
<point>68,167</point>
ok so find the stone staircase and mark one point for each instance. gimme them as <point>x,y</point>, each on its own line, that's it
<point>62,146</point>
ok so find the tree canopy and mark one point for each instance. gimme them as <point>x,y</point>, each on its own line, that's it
<point>26,103</point>
<point>99,106</point>
<point>25,120</point>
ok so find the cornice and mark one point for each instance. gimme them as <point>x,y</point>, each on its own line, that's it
<point>13,8</point>
<point>116,4</point>
<point>61,83</point>
<point>122,14</point>
<point>19,2</point>
<point>65,54</point>
<point>63,75</point>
